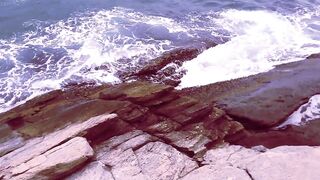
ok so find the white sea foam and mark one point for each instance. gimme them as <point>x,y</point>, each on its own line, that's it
<point>89,47</point>
<point>307,112</point>
<point>259,40</point>
<point>94,46</point>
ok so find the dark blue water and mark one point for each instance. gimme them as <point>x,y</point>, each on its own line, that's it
<point>14,13</point>
<point>47,44</point>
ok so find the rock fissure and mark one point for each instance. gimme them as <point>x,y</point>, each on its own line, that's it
<point>249,174</point>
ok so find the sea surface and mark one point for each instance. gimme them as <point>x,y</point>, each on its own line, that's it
<point>48,44</point>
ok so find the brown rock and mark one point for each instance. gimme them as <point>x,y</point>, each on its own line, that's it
<point>174,107</point>
<point>58,115</point>
<point>267,99</point>
<point>137,92</point>
<point>30,107</point>
<point>163,127</point>
<point>314,56</point>
<point>308,134</point>
<point>178,55</point>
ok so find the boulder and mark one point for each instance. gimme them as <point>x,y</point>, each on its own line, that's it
<point>54,163</point>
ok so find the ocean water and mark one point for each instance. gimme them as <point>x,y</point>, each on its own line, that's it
<point>46,45</point>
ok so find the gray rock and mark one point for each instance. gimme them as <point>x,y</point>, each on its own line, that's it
<point>236,162</point>
<point>161,161</point>
<point>286,163</point>
<point>55,162</point>
<point>229,155</point>
<point>217,173</point>
<point>125,165</point>
<point>93,171</point>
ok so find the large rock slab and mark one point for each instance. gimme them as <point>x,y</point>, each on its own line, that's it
<point>55,162</point>
<point>60,115</point>
<point>266,99</point>
<point>38,146</point>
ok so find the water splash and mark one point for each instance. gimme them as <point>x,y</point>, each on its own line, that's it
<point>259,40</point>
<point>307,112</point>
<point>88,47</point>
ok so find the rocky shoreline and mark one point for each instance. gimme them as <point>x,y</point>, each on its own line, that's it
<point>143,130</point>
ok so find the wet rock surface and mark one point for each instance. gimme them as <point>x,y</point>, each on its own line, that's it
<point>167,67</point>
<point>306,134</point>
<point>267,99</point>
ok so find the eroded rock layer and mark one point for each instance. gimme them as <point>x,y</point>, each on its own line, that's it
<point>137,129</point>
